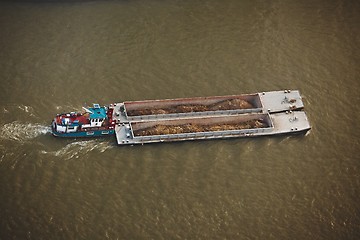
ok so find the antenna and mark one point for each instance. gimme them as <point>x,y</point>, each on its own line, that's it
<point>87,110</point>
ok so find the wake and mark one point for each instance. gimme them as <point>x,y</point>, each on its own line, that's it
<point>25,132</point>
<point>79,148</point>
<point>18,131</point>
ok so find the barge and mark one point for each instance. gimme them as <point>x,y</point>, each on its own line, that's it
<point>272,102</point>
<point>212,127</point>
<point>180,119</point>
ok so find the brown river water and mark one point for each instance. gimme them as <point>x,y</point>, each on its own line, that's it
<point>57,56</point>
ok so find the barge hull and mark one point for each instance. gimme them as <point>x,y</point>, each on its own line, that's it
<point>276,124</point>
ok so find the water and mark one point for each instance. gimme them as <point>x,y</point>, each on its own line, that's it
<point>56,57</point>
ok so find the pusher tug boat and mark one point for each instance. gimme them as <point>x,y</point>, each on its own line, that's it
<point>93,122</point>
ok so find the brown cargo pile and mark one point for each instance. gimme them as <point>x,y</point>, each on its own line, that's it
<point>230,104</point>
<point>191,128</point>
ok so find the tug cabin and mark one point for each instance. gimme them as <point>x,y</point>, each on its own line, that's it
<point>97,117</point>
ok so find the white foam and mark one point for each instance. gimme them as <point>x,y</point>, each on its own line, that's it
<point>79,148</point>
<point>18,131</point>
<point>25,108</point>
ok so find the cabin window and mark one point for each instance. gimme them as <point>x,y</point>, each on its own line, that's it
<point>71,128</point>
